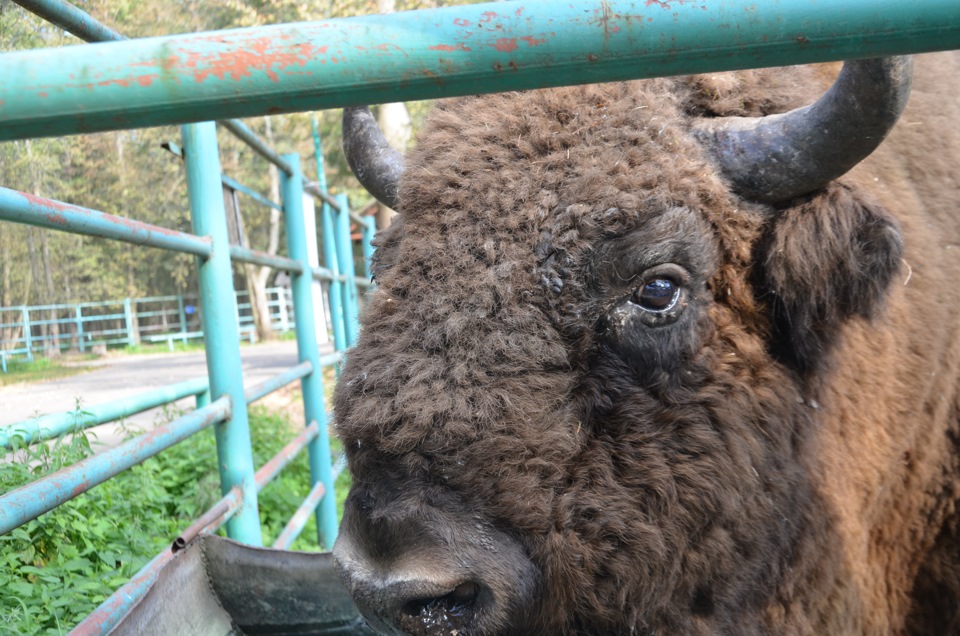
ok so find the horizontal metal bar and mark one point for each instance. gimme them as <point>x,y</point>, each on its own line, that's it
<point>320,193</point>
<point>299,519</point>
<point>359,220</point>
<point>85,27</point>
<point>247,136</point>
<point>21,207</point>
<point>272,468</point>
<point>278,381</point>
<point>211,520</point>
<point>32,500</point>
<point>228,181</point>
<point>253,194</point>
<point>109,613</point>
<point>339,466</point>
<point>50,426</point>
<point>442,52</point>
<point>363,282</point>
<point>322,273</point>
<point>331,359</point>
<point>245,255</point>
<point>71,19</point>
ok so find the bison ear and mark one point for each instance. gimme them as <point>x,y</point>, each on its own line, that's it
<point>824,259</point>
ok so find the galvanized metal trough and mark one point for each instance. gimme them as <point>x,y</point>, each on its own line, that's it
<point>216,586</point>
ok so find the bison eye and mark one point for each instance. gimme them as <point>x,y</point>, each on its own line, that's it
<point>657,294</point>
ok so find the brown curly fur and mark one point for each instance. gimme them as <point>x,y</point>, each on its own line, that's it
<point>783,459</point>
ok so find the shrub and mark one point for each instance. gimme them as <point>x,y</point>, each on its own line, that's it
<point>58,568</point>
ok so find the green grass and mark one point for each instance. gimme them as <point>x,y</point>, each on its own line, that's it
<point>58,568</point>
<point>179,346</point>
<point>39,370</point>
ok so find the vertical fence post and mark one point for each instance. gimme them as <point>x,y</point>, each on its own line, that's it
<point>80,342</point>
<point>345,258</point>
<point>282,307</point>
<point>219,303</point>
<point>368,233</point>
<point>319,449</point>
<point>27,336</point>
<point>128,322</point>
<point>337,289</point>
<point>182,314</point>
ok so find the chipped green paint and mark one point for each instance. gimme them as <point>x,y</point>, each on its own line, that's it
<point>442,52</point>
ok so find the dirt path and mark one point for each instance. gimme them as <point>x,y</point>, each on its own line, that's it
<point>125,376</point>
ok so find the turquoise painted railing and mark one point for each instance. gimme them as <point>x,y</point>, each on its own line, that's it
<point>30,329</point>
<point>424,54</point>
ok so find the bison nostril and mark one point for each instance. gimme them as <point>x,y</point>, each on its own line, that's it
<point>442,614</point>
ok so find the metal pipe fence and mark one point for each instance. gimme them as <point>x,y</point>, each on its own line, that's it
<point>218,314</point>
<point>422,54</point>
<point>28,330</point>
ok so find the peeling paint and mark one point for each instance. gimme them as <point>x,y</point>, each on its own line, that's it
<point>460,46</point>
<point>505,45</point>
<point>532,41</point>
<point>261,54</point>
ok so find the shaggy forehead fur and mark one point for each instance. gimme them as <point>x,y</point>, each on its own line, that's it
<point>505,198</point>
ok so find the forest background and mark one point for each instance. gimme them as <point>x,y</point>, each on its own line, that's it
<point>129,174</point>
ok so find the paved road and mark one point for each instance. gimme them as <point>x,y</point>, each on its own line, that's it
<point>124,376</point>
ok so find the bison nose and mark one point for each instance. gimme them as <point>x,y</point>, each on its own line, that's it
<point>417,606</point>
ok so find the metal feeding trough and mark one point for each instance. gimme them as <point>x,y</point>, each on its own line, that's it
<point>218,587</point>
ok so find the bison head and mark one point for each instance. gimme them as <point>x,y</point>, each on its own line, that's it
<point>583,396</point>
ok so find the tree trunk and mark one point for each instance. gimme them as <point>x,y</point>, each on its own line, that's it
<point>53,345</point>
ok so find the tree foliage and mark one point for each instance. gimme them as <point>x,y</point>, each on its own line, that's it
<point>128,172</point>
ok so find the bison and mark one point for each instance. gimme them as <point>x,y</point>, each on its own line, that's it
<point>674,356</point>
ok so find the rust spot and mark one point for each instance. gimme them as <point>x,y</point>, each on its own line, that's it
<point>447,48</point>
<point>461,22</point>
<point>513,66</point>
<point>55,218</point>
<point>665,4</point>
<point>260,55</point>
<point>497,66</point>
<point>591,57</point>
<point>505,45</point>
<point>119,82</point>
<point>803,39</point>
<point>532,41</point>
<point>519,12</point>
<point>146,80</point>
<point>487,16</point>
<point>40,94</point>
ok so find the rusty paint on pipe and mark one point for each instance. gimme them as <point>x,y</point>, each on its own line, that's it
<point>442,52</point>
<point>278,381</point>
<point>272,468</point>
<point>105,617</point>
<point>210,521</point>
<point>299,519</point>
<point>21,207</point>
<point>109,613</point>
<point>246,255</point>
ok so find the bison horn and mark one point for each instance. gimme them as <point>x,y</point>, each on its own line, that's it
<point>374,162</point>
<point>778,157</point>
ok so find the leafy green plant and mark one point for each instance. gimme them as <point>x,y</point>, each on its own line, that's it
<point>58,568</point>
